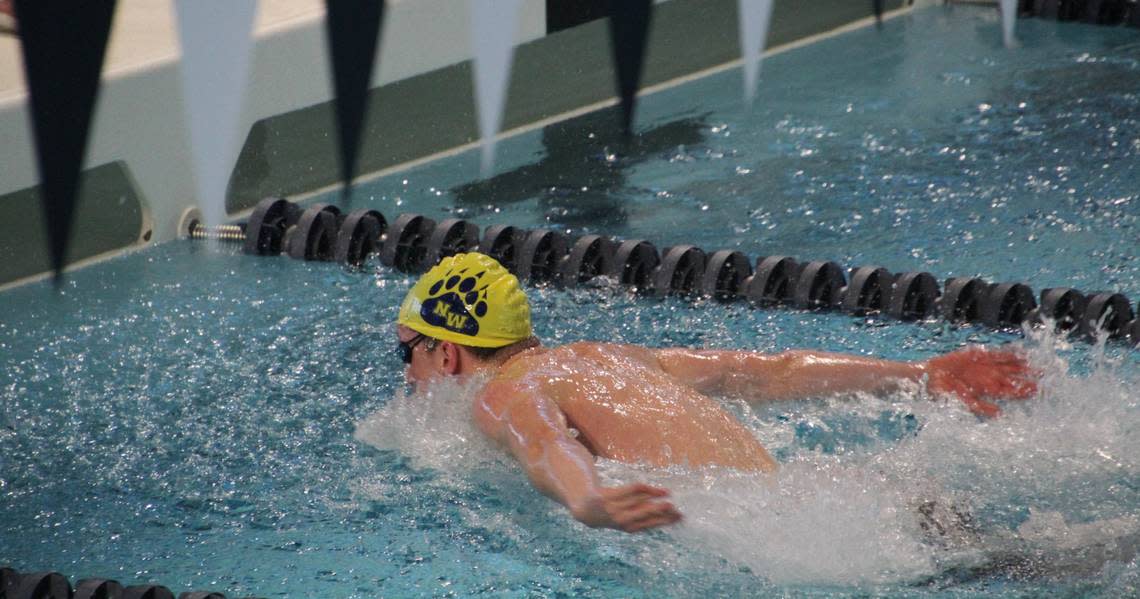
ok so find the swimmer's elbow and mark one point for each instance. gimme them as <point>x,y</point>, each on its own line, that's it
<point>703,370</point>
<point>756,377</point>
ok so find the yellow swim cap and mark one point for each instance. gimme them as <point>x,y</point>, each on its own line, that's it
<point>468,299</point>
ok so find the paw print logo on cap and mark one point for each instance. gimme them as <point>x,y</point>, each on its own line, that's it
<point>455,302</point>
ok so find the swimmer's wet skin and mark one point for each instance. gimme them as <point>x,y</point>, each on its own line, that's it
<point>557,408</point>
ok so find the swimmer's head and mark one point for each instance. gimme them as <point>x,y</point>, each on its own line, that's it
<point>469,299</point>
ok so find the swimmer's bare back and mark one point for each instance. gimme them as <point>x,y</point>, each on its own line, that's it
<point>624,406</point>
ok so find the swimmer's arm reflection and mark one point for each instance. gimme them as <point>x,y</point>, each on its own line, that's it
<point>972,374</point>
<point>535,431</point>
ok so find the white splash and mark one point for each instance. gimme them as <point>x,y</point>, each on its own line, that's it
<point>434,428</point>
<point>216,41</point>
<point>493,27</point>
<point>755,16</point>
<point>817,520</point>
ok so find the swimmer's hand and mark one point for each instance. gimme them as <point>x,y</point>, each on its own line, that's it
<point>976,374</point>
<point>629,508</point>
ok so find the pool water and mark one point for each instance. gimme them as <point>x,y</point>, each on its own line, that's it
<point>195,417</point>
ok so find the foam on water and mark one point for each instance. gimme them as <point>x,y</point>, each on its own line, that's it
<point>1048,489</point>
<point>433,428</point>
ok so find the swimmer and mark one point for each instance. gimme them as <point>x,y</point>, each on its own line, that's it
<point>557,408</point>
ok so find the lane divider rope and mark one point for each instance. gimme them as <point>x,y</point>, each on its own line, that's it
<point>413,243</point>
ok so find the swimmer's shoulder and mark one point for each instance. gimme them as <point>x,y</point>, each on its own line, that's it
<point>523,378</point>
<point>580,358</point>
<point>500,391</point>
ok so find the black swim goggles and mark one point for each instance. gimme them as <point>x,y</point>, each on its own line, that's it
<point>404,348</point>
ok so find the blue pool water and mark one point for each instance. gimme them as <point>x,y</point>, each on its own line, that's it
<point>192,416</point>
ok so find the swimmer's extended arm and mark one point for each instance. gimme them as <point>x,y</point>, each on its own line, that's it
<point>970,374</point>
<point>535,431</point>
<point>791,374</point>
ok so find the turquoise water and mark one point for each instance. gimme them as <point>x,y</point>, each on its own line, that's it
<point>195,417</point>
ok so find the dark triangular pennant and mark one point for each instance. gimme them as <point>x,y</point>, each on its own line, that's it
<point>629,30</point>
<point>877,6</point>
<point>64,43</point>
<point>353,28</point>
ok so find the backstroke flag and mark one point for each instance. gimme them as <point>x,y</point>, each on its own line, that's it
<point>755,16</point>
<point>494,24</point>
<point>64,44</point>
<point>353,28</point>
<point>629,31</point>
<point>217,41</point>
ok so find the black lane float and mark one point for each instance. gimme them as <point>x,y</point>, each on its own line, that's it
<point>53,585</point>
<point>413,243</point>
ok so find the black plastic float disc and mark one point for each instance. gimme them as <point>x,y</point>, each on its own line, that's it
<point>725,274</point>
<point>590,256</point>
<point>1064,306</point>
<point>265,229</point>
<point>359,236</point>
<point>98,588</point>
<point>1007,304</point>
<point>503,242</point>
<point>406,243</point>
<point>913,296</point>
<point>43,585</point>
<point>314,236</point>
<point>1110,312</point>
<point>680,271</point>
<point>450,237</point>
<point>634,262</point>
<point>962,299</point>
<point>868,290</point>
<point>1133,330</point>
<point>148,591</point>
<point>774,281</point>
<point>541,253</point>
<point>201,595</point>
<point>818,285</point>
